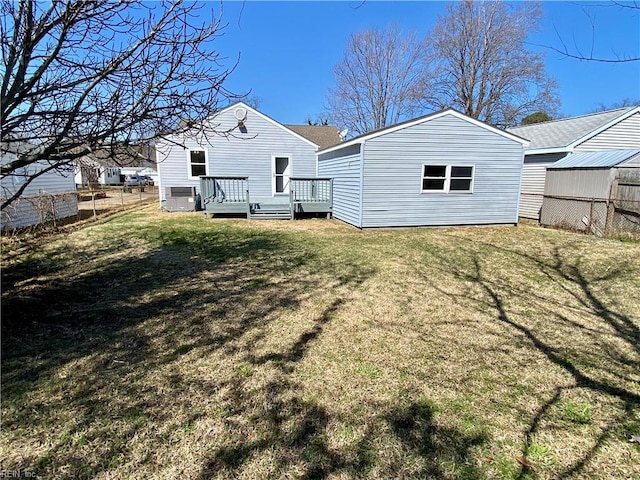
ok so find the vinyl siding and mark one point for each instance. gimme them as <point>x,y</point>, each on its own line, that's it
<point>345,170</point>
<point>533,179</point>
<point>33,210</point>
<point>239,154</point>
<point>621,136</point>
<point>393,175</point>
<point>52,193</point>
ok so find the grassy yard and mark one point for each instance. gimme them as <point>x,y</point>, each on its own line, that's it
<point>155,345</point>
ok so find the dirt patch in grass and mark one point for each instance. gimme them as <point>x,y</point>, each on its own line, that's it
<point>157,345</point>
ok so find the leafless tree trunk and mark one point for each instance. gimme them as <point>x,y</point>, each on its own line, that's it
<point>80,77</point>
<point>377,80</point>
<point>481,66</point>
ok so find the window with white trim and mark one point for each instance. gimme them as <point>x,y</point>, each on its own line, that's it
<point>197,162</point>
<point>447,178</point>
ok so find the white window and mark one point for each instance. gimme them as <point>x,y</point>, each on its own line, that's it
<point>447,178</point>
<point>197,159</point>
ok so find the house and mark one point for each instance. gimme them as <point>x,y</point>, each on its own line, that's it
<point>594,192</point>
<point>88,171</point>
<point>440,169</point>
<point>49,197</point>
<point>110,164</point>
<point>241,161</point>
<point>552,141</point>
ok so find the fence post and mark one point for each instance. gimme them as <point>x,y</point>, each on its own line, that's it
<point>93,203</point>
<point>611,208</point>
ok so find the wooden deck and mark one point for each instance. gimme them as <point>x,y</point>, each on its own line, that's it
<point>230,195</point>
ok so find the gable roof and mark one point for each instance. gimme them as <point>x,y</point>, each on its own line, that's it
<point>564,134</point>
<point>604,159</point>
<point>268,119</point>
<point>324,136</point>
<point>416,121</point>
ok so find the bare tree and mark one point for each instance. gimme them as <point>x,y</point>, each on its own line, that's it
<point>624,103</point>
<point>481,66</point>
<point>588,52</point>
<point>80,77</point>
<point>377,80</point>
<point>254,101</point>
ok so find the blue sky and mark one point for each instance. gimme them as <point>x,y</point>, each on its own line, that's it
<point>288,49</point>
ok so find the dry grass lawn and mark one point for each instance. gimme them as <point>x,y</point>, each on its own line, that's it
<point>155,345</point>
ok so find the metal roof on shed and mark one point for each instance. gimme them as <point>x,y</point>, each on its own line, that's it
<point>603,159</point>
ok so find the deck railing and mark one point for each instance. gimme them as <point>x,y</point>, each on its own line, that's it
<point>224,194</point>
<point>311,194</point>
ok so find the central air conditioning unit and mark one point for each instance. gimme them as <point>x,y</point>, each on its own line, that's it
<point>180,199</point>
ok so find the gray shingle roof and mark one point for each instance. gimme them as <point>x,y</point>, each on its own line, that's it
<point>564,132</point>
<point>605,159</point>
<point>322,135</point>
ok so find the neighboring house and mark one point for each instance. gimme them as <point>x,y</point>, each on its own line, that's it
<point>594,192</point>
<point>49,197</point>
<point>552,141</point>
<point>248,161</point>
<point>440,169</point>
<point>109,166</point>
<point>87,171</point>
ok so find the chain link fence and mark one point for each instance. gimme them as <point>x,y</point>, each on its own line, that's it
<point>49,210</point>
<point>618,214</point>
<point>94,202</point>
<point>594,216</point>
<point>44,209</point>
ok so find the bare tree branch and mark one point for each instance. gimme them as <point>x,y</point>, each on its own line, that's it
<point>82,77</point>
<point>377,81</point>
<point>632,8</point>
<point>481,66</point>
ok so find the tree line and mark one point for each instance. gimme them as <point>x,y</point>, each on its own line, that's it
<point>474,59</point>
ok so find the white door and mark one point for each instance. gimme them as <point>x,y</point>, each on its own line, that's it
<point>281,169</point>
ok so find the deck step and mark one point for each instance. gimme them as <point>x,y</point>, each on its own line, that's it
<point>271,212</point>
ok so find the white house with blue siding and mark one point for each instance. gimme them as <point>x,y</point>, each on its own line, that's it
<point>441,169</point>
<point>238,142</point>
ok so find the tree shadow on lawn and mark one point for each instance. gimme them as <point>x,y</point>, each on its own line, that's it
<point>587,370</point>
<point>293,432</point>
<point>101,365</point>
<point>88,355</point>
